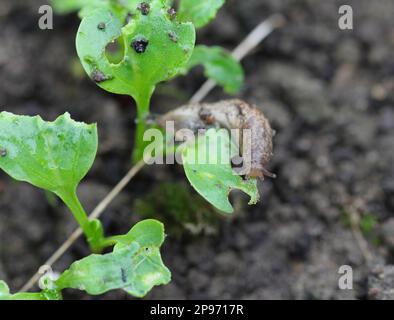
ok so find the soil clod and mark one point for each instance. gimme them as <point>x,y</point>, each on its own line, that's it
<point>140,45</point>
<point>98,76</point>
<point>144,8</point>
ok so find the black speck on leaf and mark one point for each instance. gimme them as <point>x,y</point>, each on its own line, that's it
<point>101,26</point>
<point>144,8</point>
<point>98,76</point>
<point>172,13</point>
<point>3,153</point>
<point>140,45</point>
<point>173,36</point>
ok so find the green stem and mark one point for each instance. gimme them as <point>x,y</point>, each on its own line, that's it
<point>143,104</point>
<point>96,241</point>
<point>70,198</point>
<point>73,203</point>
<point>109,241</point>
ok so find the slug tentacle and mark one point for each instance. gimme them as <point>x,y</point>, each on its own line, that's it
<point>255,133</point>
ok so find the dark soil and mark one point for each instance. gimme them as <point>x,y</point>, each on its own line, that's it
<point>329,95</point>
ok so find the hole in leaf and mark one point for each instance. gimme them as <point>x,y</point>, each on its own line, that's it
<point>114,51</point>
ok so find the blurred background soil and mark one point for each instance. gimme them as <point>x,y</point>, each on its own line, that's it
<point>329,95</point>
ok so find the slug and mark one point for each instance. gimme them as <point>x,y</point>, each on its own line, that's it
<point>230,114</point>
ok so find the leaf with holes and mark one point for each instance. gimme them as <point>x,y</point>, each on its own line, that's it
<point>135,265</point>
<point>156,47</point>
<point>200,12</point>
<point>54,156</point>
<point>219,66</point>
<point>207,164</point>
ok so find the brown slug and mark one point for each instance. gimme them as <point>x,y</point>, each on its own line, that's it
<point>230,114</point>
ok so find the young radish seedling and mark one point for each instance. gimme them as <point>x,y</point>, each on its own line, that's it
<point>218,63</point>
<point>165,55</point>
<point>55,156</point>
<point>134,266</point>
<point>156,47</point>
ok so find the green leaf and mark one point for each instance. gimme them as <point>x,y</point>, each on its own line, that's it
<point>4,290</point>
<point>85,7</point>
<point>54,156</point>
<point>219,66</point>
<point>68,6</point>
<point>147,233</point>
<point>44,295</point>
<point>207,164</point>
<point>135,267</point>
<point>156,48</point>
<point>200,12</point>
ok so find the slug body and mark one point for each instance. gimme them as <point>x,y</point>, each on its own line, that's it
<point>230,114</point>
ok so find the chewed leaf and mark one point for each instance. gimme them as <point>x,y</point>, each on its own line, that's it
<point>135,267</point>
<point>200,12</point>
<point>149,36</point>
<point>54,156</point>
<point>219,66</point>
<point>207,164</point>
